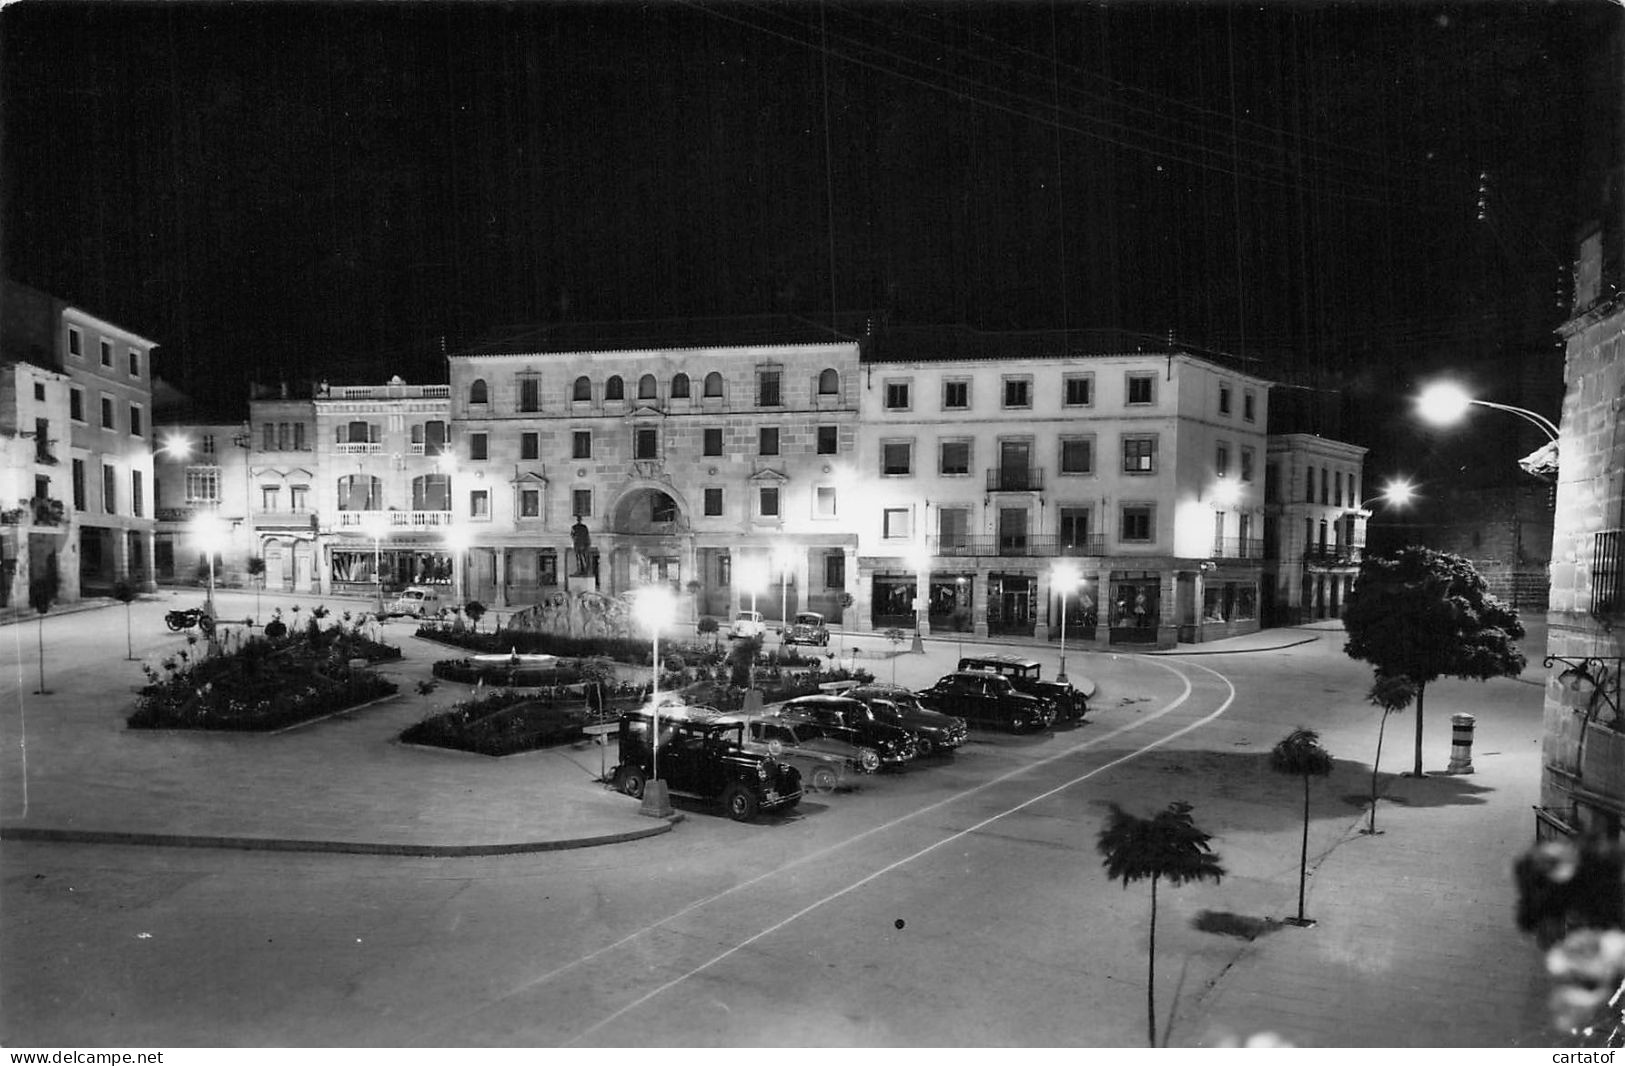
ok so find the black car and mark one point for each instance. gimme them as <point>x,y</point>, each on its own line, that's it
<point>988,699</point>
<point>935,732</point>
<point>852,720</point>
<point>1027,676</point>
<point>704,758</point>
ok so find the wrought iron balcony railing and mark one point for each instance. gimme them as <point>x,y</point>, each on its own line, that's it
<point>1015,479</point>
<point>1238,548</point>
<point>1040,546</point>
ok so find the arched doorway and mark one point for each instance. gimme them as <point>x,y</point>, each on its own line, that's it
<point>652,543</point>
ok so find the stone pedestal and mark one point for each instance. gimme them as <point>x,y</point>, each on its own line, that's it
<point>580,583</point>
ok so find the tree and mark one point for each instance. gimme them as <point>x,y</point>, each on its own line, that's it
<point>41,594</point>
<point>124,591</point>
<point>1392,694</point>
<point>895,637</point>
<point>1166,845</point>
<point>705,625</point>
<point>475,611</point>
<point>1424,614</point>
<point>256,570</point>
<point>1299,753</point>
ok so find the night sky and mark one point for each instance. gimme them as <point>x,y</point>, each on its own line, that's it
<point>1354,195</point>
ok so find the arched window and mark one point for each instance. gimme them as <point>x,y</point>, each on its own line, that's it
<point>615,388</point>
<point>713,384</point>
<point>646,387</point>
<point>477,392</point>
<point>582,390</point>
<point>679,387</point>
<point>361,492</point>
<point>829,382</point>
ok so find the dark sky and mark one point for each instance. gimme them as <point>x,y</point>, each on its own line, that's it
<point>1354,193</point>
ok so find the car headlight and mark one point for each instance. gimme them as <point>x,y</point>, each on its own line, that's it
<point>761,770</point>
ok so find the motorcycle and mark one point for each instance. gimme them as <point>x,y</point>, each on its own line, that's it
<point>185,619</point>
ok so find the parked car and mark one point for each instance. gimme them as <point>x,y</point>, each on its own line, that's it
<point>808,628</point>
<point>747,624</point>
<point>824,762</point>
<point>935,732</point>
<point>416,600</point>
<point>988,699</point>
<point>851,720</point>
<point>706,758</point>
<point>1027,676</point>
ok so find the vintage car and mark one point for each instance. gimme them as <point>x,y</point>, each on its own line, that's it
<point>416,600</point>
<point>988,699</point>
<point>824,762</point>
<point>702,757</point>
<point>808,628</point>
<point>852,720</point>
<point>747,624</point>
<point>1027,676</point>
<point>935,732</point>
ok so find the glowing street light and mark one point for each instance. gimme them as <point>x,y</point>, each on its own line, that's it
<point>1398,492</point>
<point>211,535</point>
<point>783,556</point>
<point>457,540</point>
<point>653,607</point>
<point>1065,576</point>
<point>376,526</point>
<point>1443,403</point>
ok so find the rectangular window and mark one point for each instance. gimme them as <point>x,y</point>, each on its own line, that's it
<point>282,436</point>
<point>1309,486</point>
<point>767,388</point>
<point>1141,388</point>
<point>953,526</point>
<point>549,562</point>
<point>530,394</point>
<point>477,449</point>
<point>897,457</point>
<point>1140,455</point>
<point>829,438</point>
<point>1224,398</point>
<point>78,484</point>
<point>1249,406</point>
<point>835,570</point>
<point>953,458</point>
<point>897,396</point>
<point>76,344</point>
<point>1354,495</point>
<point>713,503</point>
<point>39,390</point>
<point>76,404</point>
<point>208,444</point>
<point>268,437</point>
<point>1221,458</point>
<point>1246,464</point>
<point>107,353</point>
<point>138,495</point>
<point>530,503</point>
<point>581,444</point>
<point>1077,455</point>
<point>645,443</point>
<point>479,504</point>
<point>1136,523</point>
<point>135,363</point>
<point>824,501</point>
<point>1337,491</point>
<point>767,497</point>
<point>1325,485</point>
<point>1018,392</point>
<point>109,489</point>
<point>270,497</point>
<point>581,503</point>
<point>530,445</point>
<point>135,421</point>
<point>713,442</point>
<point>1078,390</point>
<point>895,524</point>
<point>299,435</point>
<point>1075,527</point>
<point>955,395</point>
<point>299,498</point>
<point>767,440</point>
<point>203,484</point>
<point>109,421</point>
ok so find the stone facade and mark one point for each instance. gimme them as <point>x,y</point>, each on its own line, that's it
<point>1315,526</point>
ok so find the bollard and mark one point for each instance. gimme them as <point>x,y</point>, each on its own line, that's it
<point>1461,743</point>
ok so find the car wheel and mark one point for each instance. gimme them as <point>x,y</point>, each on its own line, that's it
<point>739,803</point>
<point>632,781</point>
<point>869,759</point>
<point>922,747</point>
<point>823,779</point>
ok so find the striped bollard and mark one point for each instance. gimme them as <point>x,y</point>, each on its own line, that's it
<point>1461,743</point>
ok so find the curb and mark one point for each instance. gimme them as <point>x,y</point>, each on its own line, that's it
<point>1237,651</point>
<point>175,840</point>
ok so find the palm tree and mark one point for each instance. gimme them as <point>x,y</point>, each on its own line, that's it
<point>1299,753</point>
<point>1391,693</point>
<point>1166,845</point>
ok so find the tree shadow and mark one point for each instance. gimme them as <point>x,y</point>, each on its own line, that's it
<point>1240,926</point>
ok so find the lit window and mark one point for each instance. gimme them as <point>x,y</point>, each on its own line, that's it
<point>824,501</point>
<point>479,504</point>
<point>1139,455</point>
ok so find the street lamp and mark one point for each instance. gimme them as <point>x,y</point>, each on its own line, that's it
<point>783,555</point>
<point>752,576</point>
<point>1443,403</point>
<point>653,606</point>
<point>919,556</point>
<point>1397,492</point>
<point>376,525</point>
<point>457,540</point>
<point>959,602</point>
<point>1065,576</point>
<point>209,532</point>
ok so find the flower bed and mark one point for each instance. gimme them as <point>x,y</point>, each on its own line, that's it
<point>503,722</point>
<point>469,672</point>
<point>263,683</point>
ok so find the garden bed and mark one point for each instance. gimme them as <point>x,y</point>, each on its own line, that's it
<point>504,722</point>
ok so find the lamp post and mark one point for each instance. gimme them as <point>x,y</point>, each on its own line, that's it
<point>376,526</point>
<point>457,543</point>
<point>206,527</point>
<point>959,601</point>
<point>920,557</point>
<point>753,575</point>
<point>653,606</point>
<point>782,557</point>
<point>1443,403</point>
<point>1065,576</point>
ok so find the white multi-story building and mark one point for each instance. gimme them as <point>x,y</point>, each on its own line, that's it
<point>36,525</point>
<point>202,497</point>
<point>1314,526</point>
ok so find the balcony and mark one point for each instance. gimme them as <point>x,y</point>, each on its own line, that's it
<point>1238,548</point>
<point>305,519</point>
<point>1340,554</point>
<point>1015,479</point>
<point>360,521</point>
<point>1017,545</point>
<point>359,448</point>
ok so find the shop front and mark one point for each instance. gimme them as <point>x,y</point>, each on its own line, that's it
<point>1012,604</point>
<point>1135,606</point>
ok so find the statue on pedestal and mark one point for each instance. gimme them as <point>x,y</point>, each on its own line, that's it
<point>580,541</point>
